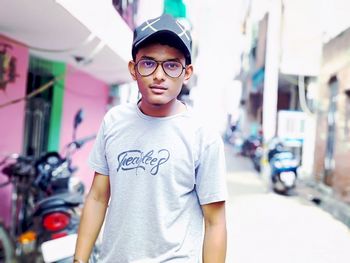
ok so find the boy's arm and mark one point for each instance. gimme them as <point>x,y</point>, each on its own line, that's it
<point>215,236</point>
<point>92,217</point>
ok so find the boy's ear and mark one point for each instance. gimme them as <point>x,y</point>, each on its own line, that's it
<point>132,71</point>
<point>188,72</point>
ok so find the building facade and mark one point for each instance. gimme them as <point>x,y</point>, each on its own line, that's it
<point>332,154</point>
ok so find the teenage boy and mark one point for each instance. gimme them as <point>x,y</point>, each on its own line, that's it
<point>157,170</point>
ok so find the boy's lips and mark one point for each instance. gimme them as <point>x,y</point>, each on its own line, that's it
<point>158,88</point>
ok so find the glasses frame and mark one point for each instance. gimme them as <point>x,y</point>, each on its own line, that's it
<point>161,62</point>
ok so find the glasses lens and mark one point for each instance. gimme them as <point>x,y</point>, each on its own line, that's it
<point>172,68</point>
<point>146,66</point>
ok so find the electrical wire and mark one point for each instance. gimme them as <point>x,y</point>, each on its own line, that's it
<point>49,84</point>
<point>33,93</point>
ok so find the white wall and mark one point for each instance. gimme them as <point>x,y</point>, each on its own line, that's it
<point>216,30</point>
<point>148,9</point>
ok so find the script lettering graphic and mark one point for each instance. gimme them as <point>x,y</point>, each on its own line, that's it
<point>136,159</point>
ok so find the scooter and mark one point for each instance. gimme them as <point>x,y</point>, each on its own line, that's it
<point>284,169</point>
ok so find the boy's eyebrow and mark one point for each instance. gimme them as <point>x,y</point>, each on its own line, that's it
<point>147,57</point>
<point>170,59</point>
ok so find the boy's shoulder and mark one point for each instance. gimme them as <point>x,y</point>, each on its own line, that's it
<point>119,111</point>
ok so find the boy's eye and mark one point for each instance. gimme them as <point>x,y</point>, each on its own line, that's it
<point>147,63</point>
<point>172,65</point>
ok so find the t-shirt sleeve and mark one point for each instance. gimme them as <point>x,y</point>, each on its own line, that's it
<point>97,158</point>
<point>211,174</point>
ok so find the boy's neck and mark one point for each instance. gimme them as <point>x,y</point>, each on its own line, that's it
<point>166,110</point>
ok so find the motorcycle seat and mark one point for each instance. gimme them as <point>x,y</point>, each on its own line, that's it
<point>68,200</point>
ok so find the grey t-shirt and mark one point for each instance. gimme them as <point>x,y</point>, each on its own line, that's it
<point>161,171</point>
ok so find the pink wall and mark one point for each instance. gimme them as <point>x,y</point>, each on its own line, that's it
<point>83,91</point>
<point>12,117</point>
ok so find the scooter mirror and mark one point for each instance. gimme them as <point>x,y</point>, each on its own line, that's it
<point>79,116</point>
<point>77,120</point>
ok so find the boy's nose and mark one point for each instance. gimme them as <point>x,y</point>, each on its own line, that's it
<point>159,73</point>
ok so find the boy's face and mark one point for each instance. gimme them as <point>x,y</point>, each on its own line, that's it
<point>159,89</point>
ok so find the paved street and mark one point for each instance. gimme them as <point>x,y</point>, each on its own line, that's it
<point>265,228</point>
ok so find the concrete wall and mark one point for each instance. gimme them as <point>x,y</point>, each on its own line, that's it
<point>12,117</point>
<point>261,45</point>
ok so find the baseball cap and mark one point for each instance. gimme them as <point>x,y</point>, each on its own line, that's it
<point>163,25</point>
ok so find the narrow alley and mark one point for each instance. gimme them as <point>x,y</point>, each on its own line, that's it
<point>117,87</point>
<point>266,227</point>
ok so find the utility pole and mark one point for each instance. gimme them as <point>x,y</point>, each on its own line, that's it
<point>272,61</point>
<point>272,64</point>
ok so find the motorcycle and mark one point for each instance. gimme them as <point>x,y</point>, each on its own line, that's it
<point>52,213</point>
<point>59,212</point>
<point>7,246</point>
<point>284,169</point>
<point>250,144</point>
<point>252,148</point>
<point>20,172</point>
<point>57,216</point>
<point>257,157</point>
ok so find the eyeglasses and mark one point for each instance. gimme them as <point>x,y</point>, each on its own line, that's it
<point>146,67</point>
